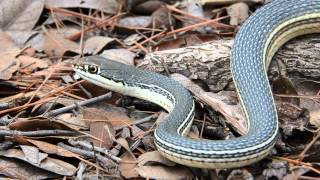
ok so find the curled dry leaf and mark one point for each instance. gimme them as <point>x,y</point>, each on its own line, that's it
<point>153,157</point>
<point>20,15</point>
<point>121,55</point>
<point>238,13</point>
<point>232,113</point>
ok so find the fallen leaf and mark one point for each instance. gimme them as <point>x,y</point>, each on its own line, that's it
<point>31,64</point>
<point>136,21</point>
<point>7,44</point>
<point>20,15</point>
<point>17,169</point>
<point>55,45</point>
<point>97,119</point>
<point>165,173</point>
<point>107,6</point>
<point>21,37</point>
<point>128,169</point>
<point>8,65</point>
<point>95,44</point>
<point>51,148</point>
<point>37,123</point>
<point>147,7</point>
<point>33,155</point>
<point>121,55</point>
<point>238,13</point>
<point>50,164</point>
<point>232,113</point>
<point>75,122</point>
<point>315,117</point>
<point>153,157</point>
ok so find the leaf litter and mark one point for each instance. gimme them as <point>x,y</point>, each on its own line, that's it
<point>57,126</point>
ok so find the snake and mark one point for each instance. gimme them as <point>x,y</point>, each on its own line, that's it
<point>256,42</point>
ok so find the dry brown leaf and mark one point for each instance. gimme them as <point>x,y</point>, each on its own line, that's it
<point>124,143</point>
<point>97,119</point>
<point>20,15</point>
<point>17,169</point>
<point>147,7</point>
<point>33,155</point>
<point>55,45</point>
<point>31,63</point>
<point>50,164</point>
<point>121,55</point>
<point>21,37</point>
<point>315,117</point>
<point>33,124</point>
<point>8,65</point>
<point>75,122</point>
<point>7,44</point>
<point>238,13</point>
<point>8,61</point>
<point>136,21</point>
<point>232,113</point>
<point>51,148</point>
<point>226,2</point>
<point>152,157</point>
<point>128,169</point>
<point>95,44</point>
<point>107,6</point>
<point>165,173</point>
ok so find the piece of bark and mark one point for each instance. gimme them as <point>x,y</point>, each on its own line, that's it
<point>209,62</point>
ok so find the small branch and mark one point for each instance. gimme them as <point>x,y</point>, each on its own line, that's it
<point>38,133</point>
<point>95,148</point>
<point>82,103</point>
<point>89,154</point>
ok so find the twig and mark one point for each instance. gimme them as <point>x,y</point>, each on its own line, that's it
<point>72,13</point>
<point>90,28</point>
<point>38,133</point>
<point>27,105</point>
<point>90,154</point>
<point>147,40</point>
<point>302,154</point>
<point>82,103</point>
<point>95,148</point>
<point>140,121</point>
<point>187,28</point>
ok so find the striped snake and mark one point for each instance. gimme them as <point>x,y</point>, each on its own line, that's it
<point>255,44</point>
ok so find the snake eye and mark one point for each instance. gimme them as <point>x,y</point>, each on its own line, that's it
<point>92,69</point>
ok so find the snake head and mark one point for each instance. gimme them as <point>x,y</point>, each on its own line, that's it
<point>96,67</point>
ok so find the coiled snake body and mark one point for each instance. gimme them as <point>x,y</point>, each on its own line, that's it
<point>255,44</point>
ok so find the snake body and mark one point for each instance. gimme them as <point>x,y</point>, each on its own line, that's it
<point>257,41</point>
